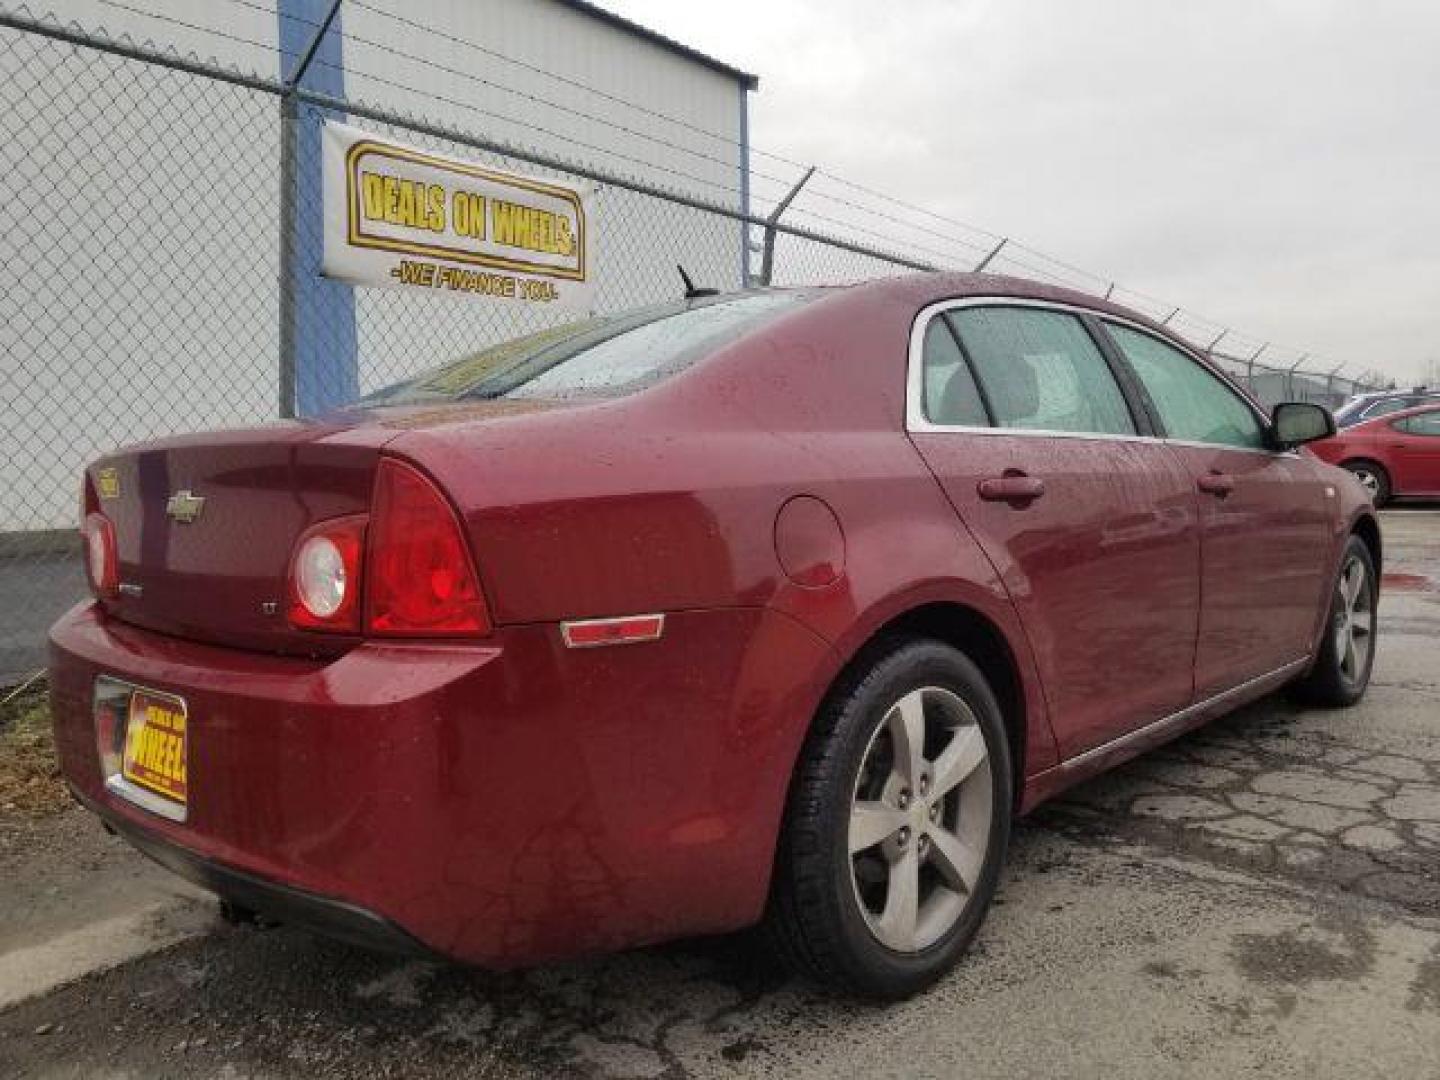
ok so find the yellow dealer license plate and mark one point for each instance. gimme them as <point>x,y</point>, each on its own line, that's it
<point>155,746</point>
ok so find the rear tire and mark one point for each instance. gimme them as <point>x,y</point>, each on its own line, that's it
<point>889,859</point>
<point>1347,646</point>
<point>1373,478</point>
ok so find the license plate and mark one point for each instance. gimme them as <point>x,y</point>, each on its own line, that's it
<point>156,749</point>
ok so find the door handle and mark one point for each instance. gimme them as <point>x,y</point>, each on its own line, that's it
<point>1013,488</point>
<point>1216,483</point>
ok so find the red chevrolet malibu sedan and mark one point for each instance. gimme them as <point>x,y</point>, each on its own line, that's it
<point>1394,456</point>
<point>774,606</point>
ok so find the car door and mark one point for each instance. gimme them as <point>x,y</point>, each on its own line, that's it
<point>1265,516</point>
<point>1413,444</point>
<point>1091,525</point>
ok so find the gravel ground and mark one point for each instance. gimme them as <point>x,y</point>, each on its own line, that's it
<point>1261,897</point>
<point>30,784</point>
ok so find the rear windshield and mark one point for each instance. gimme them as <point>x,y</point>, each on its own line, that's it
<point>602,357</point>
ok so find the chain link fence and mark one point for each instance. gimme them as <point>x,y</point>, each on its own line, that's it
<point>145,293</point>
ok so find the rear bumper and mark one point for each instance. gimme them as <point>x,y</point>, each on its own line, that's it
<point>295,907</point>
<point>502,803</point>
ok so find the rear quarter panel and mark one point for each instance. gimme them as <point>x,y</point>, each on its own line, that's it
<point>666,500</point>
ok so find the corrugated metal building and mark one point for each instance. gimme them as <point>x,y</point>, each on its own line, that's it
<point>163,313</point>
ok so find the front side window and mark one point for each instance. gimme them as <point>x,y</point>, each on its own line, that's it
<point>1040,370</point>
<point>1420,424</point>
<point>1194,405</point>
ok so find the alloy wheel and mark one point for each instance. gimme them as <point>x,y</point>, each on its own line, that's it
<point>1354,619</point>
<point>920,819</point>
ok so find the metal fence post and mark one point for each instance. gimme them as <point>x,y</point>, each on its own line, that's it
<point>1250,367</point>
<point>289,124</point>
<point>1330,380</point>
<point>767,263</point>
<point>983,263</point>
<point>1290,377</point>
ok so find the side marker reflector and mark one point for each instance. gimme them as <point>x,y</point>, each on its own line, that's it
<point>626,630</point>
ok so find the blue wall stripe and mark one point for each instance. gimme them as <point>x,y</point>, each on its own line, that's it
<point>326,365</point>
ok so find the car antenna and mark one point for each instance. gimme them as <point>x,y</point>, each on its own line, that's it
<point>691,292</point>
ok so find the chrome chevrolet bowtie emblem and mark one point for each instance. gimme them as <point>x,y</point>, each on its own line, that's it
<point>184,506</point>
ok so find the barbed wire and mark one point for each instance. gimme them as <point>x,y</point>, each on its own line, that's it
<point>267,47</point>
<point>571,110</point>
<point>883,206</point>
<point>578,84</point>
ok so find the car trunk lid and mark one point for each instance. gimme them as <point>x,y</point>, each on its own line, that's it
<point>205,525</point>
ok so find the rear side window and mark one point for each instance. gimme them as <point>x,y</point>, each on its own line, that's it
<point>1040,370</point>
<point>1389,405</point>
<point>1421,424</point>
<point>951,396</point>
<point>1193,404</point>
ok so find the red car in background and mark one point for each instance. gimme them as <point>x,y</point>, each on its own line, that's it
<point>1396,456</point>
<point>777,605</point>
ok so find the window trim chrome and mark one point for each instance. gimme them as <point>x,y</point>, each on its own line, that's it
<point>916,422</point>
<point>1429,399</point>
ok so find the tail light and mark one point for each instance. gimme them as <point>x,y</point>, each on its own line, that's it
<point>421,581</point>
<point>410,553</point>
<point>325,576</point>
<point>102,564</point>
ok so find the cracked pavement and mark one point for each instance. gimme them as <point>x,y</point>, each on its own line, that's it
<point>1262,896</point>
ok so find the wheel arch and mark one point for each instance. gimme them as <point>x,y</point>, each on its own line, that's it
<point>972,632</point>
<point>1368,530</point>
<point>1364,459</point>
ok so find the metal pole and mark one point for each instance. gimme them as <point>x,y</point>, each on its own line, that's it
<point>1250,365</point>
<point>1290,376</point>
<point>767,263</point>
<point>1166,321</point>
<point>1218,338</point>
<point>289,194</point>
<point>303,64</point>
<point>993,252</point>
<point>289,137</point>
<point>1110,290</point>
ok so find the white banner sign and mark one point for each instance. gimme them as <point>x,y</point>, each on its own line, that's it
<point>399,216</point>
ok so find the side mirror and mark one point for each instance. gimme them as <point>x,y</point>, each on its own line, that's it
<point>1298,422</point>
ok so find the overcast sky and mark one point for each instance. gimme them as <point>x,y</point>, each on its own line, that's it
<point>1271,164</point>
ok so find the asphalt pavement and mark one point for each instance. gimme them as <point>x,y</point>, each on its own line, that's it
<point>1260,898</point>
<point>36,590</point>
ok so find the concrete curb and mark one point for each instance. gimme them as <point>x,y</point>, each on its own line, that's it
<point>38,969</point>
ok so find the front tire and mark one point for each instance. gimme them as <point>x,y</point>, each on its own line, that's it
<point>1347,646</point>
<point>897,824</point>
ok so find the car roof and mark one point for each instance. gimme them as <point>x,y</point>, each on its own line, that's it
<point>1427,408</point>
<point>1399,391</point>
<point>922,289</point>
<point>1413,410</point>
